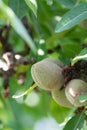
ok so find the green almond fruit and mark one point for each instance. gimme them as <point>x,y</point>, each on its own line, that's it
<point>74,89</point>
<point>47,75</point>
<point>60,98</point>
<point>55,60</point>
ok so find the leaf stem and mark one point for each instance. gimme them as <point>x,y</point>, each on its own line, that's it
<point>26,92</point>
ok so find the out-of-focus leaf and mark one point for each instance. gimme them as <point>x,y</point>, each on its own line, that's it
<point>76,122</point>
<point>24,89</point>
<point>70,49</point>
<point>67,3</point>
<point>83,52</point>
<point>49,2</point>
<point>28,81</point>
<point>77,58</point>
<point>26,92</point>
<point>59,112</point>
<point>1,23</point>
<point>17,25</point>
<point>82,56</point>
<point>72,18</point>
<point>21,120</point>
<point>83,97</point>
<point>19,7</point>
<point>32,4</point>
<point>6,1</point>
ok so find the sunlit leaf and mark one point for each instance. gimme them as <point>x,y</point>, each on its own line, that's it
<point>32,4</point>
<point>77,58</point>
<point>26,92</point>
<point>76,122</point>
<point>17,25</point>
<point>82,56</point>
<point>72,18</point>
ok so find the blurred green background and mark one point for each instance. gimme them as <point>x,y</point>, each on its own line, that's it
<point>27,29</point>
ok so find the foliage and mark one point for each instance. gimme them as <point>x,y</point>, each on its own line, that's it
<point>31,30</point>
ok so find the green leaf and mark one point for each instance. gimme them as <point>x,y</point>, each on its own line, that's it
<point>76,122</point>
<point>14,86</point>
<point>81,56</point>
<point>83,97</point>
<point>6,1</point>
<point>72,18</point>
<point>28,81</point>
<point>49,2</point>
<point>24,89</point>
<point>59,112</point>
<point>26,92</point>
<point>2,23</point>
<point>83,52</point>
<point>32,4</point>
<point>78,58</point>
<point>19,7</point>
<point>70,49</point>
<point>67,3</point>
<point>17,25</point>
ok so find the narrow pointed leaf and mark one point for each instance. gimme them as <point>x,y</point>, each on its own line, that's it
<point>82,56</point>
<point>17,25</point>
<point>77,58</point>
<point>72,18</point>
<point>32,4</point>
<point>67,3</point>
<point>76,122</point>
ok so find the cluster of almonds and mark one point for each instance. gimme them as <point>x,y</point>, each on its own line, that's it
<point>48,74</point>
